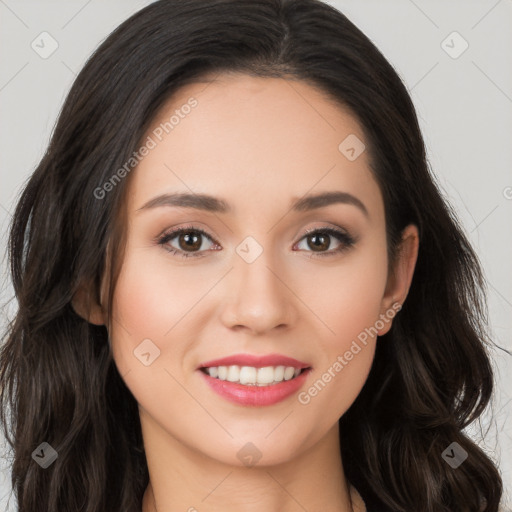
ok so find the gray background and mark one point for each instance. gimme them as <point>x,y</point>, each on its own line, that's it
<point>464,103</point>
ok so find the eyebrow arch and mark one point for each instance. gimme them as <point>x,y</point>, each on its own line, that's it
<point>217,205</point>
<point>311,202</point>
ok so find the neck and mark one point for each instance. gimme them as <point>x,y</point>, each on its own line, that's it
<point>182,479</point>
<point>149,501</point>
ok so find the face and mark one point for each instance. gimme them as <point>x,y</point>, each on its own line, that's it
<point>261,276</point>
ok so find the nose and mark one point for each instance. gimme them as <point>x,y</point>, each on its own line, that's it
<point>259,298</point>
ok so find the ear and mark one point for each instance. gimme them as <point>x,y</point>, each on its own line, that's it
<point>88,303</point>
<point>87,306</point>
<point>399,280</point>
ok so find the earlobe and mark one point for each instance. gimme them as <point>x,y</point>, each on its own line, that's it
<point>86,306</point>
<point>399,281</point>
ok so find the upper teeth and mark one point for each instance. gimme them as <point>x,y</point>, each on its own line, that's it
<point>253,376</point>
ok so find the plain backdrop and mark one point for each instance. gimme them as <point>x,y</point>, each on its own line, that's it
<point>454,57</point>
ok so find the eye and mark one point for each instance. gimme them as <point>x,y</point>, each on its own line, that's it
<point>189,241</point>
<point>320,239</point>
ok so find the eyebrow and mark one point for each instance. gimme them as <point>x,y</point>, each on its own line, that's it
<point>216,205</point>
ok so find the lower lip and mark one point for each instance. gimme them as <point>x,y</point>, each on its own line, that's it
<point>255,395</point>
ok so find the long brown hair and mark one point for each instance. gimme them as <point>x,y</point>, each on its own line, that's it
<point>431,376</point>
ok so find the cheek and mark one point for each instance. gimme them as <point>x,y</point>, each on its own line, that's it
<point>153,313</point>
<point>348,302</point>
<point>151,300</point>
<point>345,354</point>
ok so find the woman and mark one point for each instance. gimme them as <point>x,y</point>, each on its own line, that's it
<point>239,287</point>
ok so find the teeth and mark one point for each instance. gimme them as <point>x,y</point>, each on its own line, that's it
<point>248,375</point>
<point>233,374</point>
<point>279,373</point>
<point>251,376</point>
<point>265,375</point>
<point>289,372</point>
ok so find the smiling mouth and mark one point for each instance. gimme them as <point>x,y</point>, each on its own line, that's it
<point>252,376</point>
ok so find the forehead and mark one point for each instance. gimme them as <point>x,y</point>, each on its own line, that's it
<point>252,140</point>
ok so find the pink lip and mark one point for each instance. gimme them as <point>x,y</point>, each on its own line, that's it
<point>255,361</point>
<point>255,395</point>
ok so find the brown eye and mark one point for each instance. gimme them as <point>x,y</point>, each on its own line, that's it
<point>189,241</point>
<point>319,241</point>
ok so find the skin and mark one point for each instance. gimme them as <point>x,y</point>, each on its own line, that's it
<point>257,143</point>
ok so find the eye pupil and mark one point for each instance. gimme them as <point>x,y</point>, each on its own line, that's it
<point>315,246</point>
<point>187,238</point>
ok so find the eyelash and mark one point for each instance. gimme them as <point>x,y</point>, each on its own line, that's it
<point>344,238</point>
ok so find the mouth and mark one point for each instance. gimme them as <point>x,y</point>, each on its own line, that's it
<point>255,380</point>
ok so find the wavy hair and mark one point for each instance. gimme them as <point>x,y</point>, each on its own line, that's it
<point>431,375</point>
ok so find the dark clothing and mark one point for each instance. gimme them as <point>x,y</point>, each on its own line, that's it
<point>371,503</point>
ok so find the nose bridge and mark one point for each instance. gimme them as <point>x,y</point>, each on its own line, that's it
<point>260,300</point>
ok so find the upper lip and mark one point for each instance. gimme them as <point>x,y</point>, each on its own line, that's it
<point>257,361</point>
